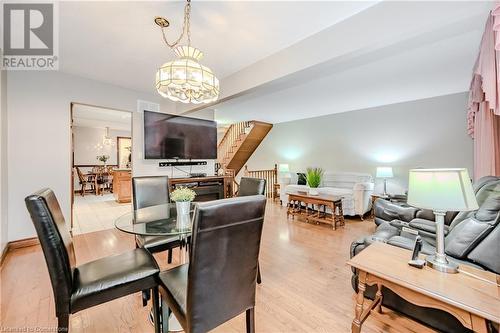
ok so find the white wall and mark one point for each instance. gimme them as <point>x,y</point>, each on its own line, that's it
<point>86,139</point>
<point>3,161</point>
<point>424,133</point>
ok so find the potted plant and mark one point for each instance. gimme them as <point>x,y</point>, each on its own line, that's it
<point>182,197</point>
<point>313,177</point>
<point>103,158</point>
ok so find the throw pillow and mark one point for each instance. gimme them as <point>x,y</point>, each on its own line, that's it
<point>301,178</point>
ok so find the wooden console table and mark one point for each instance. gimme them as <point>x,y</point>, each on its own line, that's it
<point>326,201</point>
<point>471,300</point>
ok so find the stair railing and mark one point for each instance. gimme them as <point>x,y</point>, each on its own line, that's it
<point>271,177</point>
<point>230,141</point>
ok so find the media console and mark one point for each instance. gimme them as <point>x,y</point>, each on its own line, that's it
<point>206,188</point>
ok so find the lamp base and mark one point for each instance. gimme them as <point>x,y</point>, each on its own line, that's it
<point>445,267</point>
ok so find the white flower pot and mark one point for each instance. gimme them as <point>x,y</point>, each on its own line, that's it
<point>313,191</point>
<point>182,207</point>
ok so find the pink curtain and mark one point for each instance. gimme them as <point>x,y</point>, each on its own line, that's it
<point>486,143</point>
<point>483,118</point>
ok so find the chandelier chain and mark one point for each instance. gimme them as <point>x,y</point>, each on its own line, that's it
<point>186,29</point>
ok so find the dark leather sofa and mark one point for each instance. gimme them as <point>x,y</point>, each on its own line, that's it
<point>472,238</point>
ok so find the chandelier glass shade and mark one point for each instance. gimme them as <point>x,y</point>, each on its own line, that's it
<point>185,80</point>
<point>106,142</point>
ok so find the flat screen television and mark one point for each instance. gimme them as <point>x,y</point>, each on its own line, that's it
<point>168,136</point>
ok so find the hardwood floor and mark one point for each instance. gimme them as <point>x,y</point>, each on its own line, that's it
<point>306,283</point>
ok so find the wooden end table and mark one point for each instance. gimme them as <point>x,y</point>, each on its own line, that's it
<point>322,201</point>
<point>276,191</point>
<point>471,300</point>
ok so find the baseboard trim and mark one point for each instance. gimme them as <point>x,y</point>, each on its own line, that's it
<point>26,242</point>
<point>18,244</point>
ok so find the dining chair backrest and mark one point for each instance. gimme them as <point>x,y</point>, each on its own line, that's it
<point>57,244</point>
<point>223,260</point>
<point>251,186</point>
<point>80,175</point>
<point>149,191</point>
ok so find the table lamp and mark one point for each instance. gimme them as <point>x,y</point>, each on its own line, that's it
<point>441,190</point>
<point>284,171</point>
<point>384,172</point>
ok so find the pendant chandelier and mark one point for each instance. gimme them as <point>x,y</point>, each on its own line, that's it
<point>106,142</point>
<point>184,79</point>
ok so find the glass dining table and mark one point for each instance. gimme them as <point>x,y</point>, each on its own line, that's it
<point>160,220</point>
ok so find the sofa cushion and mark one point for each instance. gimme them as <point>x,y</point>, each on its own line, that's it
<point>428,214</point>
<point>489,210</point>
<point>408,243</point>
<point>465,236</point>
<point>426,225</point>
<point>486,252</point>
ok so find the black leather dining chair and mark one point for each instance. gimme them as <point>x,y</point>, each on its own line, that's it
<point>151,191</point>
<point>219,281</point>
<point>146,192</point>
<point>77,288</point>
<point>252,186</point>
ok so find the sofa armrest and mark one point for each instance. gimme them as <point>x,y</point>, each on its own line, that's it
<point>367,186</point>
<point>399,224</point>
<point>362,197</point>
<point>384,232</point>
<point>389,211</point>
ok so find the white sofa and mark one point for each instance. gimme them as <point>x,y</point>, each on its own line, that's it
<point>355,189</point>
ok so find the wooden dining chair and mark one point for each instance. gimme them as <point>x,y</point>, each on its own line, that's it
<point>219,281</point>
<point>80,287</point>
<point>100,179</point>
<point>83,181</point>
<point>110,170</point>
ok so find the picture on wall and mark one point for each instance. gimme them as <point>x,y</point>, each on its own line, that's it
<point>124,152</point>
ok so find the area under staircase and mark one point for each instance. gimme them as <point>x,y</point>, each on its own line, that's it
<point>239,142</point>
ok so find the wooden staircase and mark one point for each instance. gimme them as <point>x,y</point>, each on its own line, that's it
<point>239,143</point>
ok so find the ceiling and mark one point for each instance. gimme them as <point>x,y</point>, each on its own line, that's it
<point>431,59</point>
<point>284,60</point>
<point>117,41</point>
<point>431,70</point>
<point>97,117</point>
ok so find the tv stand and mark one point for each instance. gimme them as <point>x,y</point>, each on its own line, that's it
<point>206,188</point>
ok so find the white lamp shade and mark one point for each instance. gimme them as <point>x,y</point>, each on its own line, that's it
<point>384,172</point>
<point>441,190</point>
<point>283,168</point>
